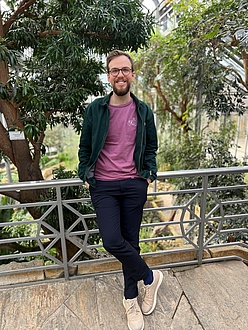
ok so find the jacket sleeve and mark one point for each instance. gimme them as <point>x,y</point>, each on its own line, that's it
<point>151,146</point>
<point>85,144</point>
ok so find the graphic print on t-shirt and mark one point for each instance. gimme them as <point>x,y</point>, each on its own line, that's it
<point>132,122</point>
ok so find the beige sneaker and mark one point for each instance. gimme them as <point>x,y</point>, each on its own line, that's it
<point>150,295</point>
<point>135,319</point>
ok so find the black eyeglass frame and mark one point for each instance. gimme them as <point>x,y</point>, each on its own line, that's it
<point>118,71</point>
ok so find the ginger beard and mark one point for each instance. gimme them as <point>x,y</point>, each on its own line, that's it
<point>121,86</point>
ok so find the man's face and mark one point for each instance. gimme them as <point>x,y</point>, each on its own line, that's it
<point>121,83</point>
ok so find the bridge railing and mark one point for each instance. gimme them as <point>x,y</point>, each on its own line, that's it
<point>195,225</point>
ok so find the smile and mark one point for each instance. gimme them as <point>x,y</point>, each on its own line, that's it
<point>120,82</point>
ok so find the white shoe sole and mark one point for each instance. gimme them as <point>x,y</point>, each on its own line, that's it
<point>155,294</point>
<point>132,329</point>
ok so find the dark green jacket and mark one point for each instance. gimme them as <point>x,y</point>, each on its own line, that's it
<point>94,133</point>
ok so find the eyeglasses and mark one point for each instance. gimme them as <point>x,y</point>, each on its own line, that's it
<point>125,71</point>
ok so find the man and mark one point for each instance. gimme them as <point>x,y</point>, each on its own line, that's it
<point>117,161</point>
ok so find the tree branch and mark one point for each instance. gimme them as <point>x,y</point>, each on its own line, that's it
<point>245,62</point>
<point>5,144</point>
<point>1,24</point>
<point>166,103</point>
<point>24,5</point>
<point>37,148</point>
<point>49,33</point>
<point>234,43</point>
<point>240,79</point>
<point>12,194</point>
<point>18,247</point>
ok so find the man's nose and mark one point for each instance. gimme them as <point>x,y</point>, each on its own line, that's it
<point>120,72</point>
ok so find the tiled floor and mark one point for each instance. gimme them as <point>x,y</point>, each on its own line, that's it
<point>210,297</point>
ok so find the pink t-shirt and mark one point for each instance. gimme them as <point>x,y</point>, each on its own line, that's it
<point>116,161</point>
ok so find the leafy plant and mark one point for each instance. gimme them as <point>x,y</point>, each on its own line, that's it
<point>51,58</point>
<point>211,151</point>
<point>5,215</point>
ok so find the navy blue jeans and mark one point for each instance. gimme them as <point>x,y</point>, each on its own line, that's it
<point>119,209</point>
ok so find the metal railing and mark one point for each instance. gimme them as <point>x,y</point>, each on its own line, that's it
<point>195,225</point>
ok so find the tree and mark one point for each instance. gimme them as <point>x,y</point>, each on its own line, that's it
<point>220,28</point>
<point>50,61</point>
<point>164,66</point>
<point>199,68</point>
<point>201,65</point>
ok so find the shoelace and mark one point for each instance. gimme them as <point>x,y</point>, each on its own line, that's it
<point>145,292</point>
<point>132,306</point>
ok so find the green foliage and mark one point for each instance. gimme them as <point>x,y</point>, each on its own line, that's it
<point>148,232</point>
<point>50,162</point>
<point>55,44</point>
<point>222,99</point>
<point>52,55</point>
<point>209,151</point>
<point>199,66</point>
<point>193,72</point>
<point>44,161</point>
<point>17,231</point>
<point>146,247</point>
<point>182,153</point>
<point>57,138</point>
<point>22,230</point>
<point>5,215</point>
<point>191,151</point>
<point>221,31</point>
<point>60,145</point>
<point>8,55</point>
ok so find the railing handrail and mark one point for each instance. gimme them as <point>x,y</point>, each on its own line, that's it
<point>161,175</point>
<point>188,227</point>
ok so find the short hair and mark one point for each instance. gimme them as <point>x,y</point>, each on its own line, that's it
<point>115,53</point>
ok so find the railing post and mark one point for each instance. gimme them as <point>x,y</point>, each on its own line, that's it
<point>202,217</point>
<point>62,232</point>
<point>154,186</point>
